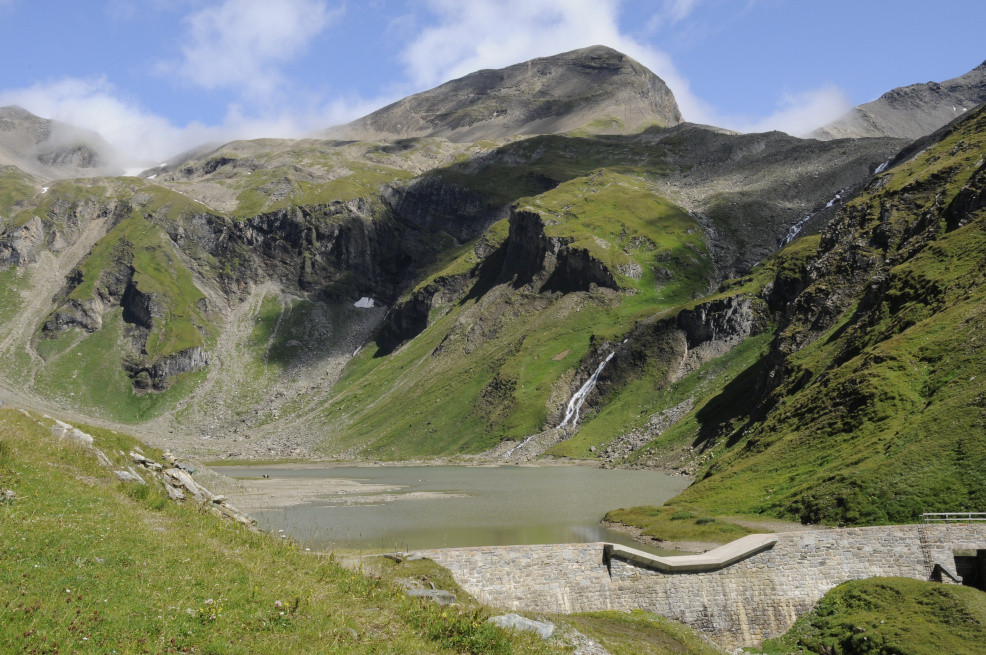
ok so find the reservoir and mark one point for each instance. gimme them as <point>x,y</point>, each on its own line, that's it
<point>412,507</point>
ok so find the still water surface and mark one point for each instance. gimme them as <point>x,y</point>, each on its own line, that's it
<point>484,506</point>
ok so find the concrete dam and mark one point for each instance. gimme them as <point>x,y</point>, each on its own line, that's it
<point>739,594</point>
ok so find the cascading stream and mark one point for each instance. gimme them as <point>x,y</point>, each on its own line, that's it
<point>575,404</point>
<point>795,230</point>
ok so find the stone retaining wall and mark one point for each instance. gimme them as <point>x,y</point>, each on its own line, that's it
<point>739,605</point>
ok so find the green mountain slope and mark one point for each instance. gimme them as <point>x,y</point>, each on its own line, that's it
<point>497,357</point>
<point>461,292</point>
<point>871,405</point>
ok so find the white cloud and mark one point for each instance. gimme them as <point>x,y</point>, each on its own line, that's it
<point>679,9</point>
<point>143,138</point>
<point>480,34</point>
<point>242,44</point>
<point>798,114</point>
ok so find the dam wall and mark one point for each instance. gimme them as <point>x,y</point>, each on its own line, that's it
<point>756,597</point>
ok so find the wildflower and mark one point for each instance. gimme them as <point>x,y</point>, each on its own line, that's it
<point>278,604</point>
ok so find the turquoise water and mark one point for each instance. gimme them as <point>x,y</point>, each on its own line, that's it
<point>491,506</point>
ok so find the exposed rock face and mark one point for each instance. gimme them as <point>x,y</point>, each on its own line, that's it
<point>548,263</point>
<point>52,150</point>
<point>597,89</point>
<point>911,111</point>
<point>157,375</point>
<point>437,205</point>
<point>528,258</point>
<point>406,321</point>
<point>21,246</point>
<point>337,250</point>
<point>677,345</point>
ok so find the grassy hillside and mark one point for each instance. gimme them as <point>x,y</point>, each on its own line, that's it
<point>890,616</point>
<point>158,273</point>
<point>16,188</point>
<point>497,363</point>
<point>878,411</point>
<point>89,564</point>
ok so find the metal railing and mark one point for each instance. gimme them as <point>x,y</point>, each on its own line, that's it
<point>953,517</point>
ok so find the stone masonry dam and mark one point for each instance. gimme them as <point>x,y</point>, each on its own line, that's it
<point>739,594</point>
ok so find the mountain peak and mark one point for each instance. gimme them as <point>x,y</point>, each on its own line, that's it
<point>597,90</point>
<point>50,149</point>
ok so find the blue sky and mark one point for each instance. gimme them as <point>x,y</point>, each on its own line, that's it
<point>158,76</point>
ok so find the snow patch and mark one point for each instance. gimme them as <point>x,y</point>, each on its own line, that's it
<point>364,303</point>
<point>882,167</point>
<point>44,189</point>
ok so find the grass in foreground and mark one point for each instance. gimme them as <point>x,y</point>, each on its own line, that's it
<point>896,616</point>
<point>89,564</point>
<point>639,633</point>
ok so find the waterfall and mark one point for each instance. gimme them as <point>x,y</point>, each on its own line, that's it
<point>575,404</point>
<point>797,227</point>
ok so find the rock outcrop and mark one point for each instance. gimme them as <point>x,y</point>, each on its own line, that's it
<point>178,484</point>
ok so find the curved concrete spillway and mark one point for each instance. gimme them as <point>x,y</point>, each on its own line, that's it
<point>718,558</point>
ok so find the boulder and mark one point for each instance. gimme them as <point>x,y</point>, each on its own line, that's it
<point>439,596</point>
<point>145,462</point>
<point>518,622</point>
<point>128,476</point>
<point>183,479</point>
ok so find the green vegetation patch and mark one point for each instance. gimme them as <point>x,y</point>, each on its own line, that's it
<point>85,371</point>
<point>678,523</point>
<point>532,166</point>
<point>268,190</point>
<point>620,221</point>
<point>485,368</point>
<point>883,416</point>
<point>178,321</point>
<point>13,282</point>
<point>60,196</point>
<point>890,616</point>
<point>91,564</point>
<point>16,187</point>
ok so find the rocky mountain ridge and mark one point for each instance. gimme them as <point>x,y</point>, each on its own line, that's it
<point>910,112</point>
<point>50,149</point>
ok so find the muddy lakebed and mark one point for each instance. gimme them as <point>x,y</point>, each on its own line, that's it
<point>413,507</point>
